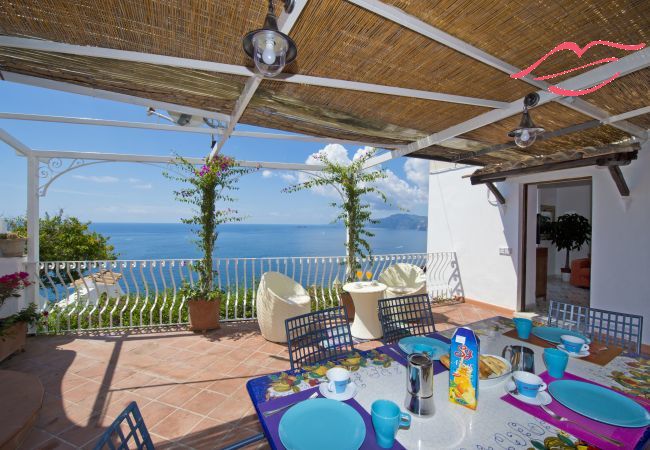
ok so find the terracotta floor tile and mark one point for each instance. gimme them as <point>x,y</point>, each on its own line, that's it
<point>80,436</point>
<point>154,388</point>
<point>231,409</point>
<point>177,424</point>
<point>207,434</point>
<point>227,386</point>
<point>35,439</point>
<point>204,402</point>
<point>51,444</point>
<point>155,411</point>
<point>178,395</point>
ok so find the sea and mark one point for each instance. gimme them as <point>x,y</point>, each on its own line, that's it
<point>173,240</point>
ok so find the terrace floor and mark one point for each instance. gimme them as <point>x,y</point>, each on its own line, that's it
<point>190,387</point>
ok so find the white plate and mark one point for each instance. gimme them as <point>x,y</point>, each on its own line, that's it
<point>350,391</point>
<point>582,354</point>
<point>494,381</point>
<point>543,397</point>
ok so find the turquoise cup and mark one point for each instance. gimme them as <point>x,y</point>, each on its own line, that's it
<point>387,419</point>
<point>523,327</point>
<point>556,361</point>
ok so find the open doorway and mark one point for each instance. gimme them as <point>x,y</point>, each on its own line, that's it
<point>557,216</point>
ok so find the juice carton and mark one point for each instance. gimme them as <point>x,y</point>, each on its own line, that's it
<point>464,368</point>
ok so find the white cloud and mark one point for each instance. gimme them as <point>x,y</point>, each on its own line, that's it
<point>143,186</point>
<point>97,179</point>
<point>134,180</point>
<point>402,193</point>
<point>267,173</point>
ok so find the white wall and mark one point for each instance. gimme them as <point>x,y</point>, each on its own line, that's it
<point>466,219</point>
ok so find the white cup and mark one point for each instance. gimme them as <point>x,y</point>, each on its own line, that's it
<point>338,380</point>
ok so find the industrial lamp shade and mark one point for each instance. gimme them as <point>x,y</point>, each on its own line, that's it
<point>527,132</point>
<point>269,48</point>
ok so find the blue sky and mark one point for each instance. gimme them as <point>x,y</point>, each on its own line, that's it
<point>128,192</point>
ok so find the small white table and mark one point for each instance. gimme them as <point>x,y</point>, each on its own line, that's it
<point>366,296</point>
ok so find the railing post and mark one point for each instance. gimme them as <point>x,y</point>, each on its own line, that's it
<point>33,233</point>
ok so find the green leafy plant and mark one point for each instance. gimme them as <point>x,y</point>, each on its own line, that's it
<point>66,238</point>
<point>13,235</point>
<point>352,183</point>
<point>207,186</point>
<point>570,232</point>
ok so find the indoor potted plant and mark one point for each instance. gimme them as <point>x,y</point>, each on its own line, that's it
<point>13,329</point>
<point>352,182</point>
<point>12,244</point>
<point>570,232</point>
<point>208,185</point>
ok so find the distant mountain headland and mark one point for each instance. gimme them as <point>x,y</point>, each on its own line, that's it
<point>403,222</point>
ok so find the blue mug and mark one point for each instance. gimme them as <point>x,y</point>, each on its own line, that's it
<point>528,384</point>
<point>387,419</point>
<point>574,344</point>
<point>556,361</point>
<point>339,378</point>
<point>523,327</point>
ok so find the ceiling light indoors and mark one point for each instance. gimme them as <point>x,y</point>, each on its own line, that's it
<point>271,49</point>
<point>527,131</point>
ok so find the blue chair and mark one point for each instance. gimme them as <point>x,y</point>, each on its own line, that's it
<point>128,431</point>
<point>600,325</point>
<point>318,337</point>
<point>401,317</point>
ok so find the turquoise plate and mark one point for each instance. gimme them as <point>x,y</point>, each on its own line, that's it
<point>599,403</point>
<point>439,347</point>
<point>552,334</point>
<point>322,424</point>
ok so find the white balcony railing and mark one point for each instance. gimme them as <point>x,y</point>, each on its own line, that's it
<point>97,295</point>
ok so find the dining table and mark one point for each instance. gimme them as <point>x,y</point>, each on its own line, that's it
<point>500,420</point>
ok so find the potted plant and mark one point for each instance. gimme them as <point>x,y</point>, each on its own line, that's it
<point>207,185</point>
<point>13,329</point>
<point>12,244</point>
<point>570,232</point>
<point>352,182</point>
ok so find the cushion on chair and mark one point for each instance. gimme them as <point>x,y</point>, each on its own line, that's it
<point>279,298</point>
<point>403,279</point>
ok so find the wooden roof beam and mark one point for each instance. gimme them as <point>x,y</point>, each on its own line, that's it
<point>413,23</point>
<point>615,159</point>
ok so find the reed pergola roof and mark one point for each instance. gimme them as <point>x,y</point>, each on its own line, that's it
<point>391,43</point>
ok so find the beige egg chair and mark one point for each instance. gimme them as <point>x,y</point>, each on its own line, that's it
<point>278,299</point>
<point>403,279</point>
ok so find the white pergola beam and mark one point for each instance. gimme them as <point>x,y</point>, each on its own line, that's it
<point>413,23</point>
<point>15,143</point>
<point>631,63</point>
<point>628,115</point>
<point>182,129</point>
<point>124,55</point>
<point>108,95</point>
<point>125,157</point>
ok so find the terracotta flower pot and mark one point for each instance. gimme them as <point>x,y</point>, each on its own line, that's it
<point>13,340</point>
<point>11,248</point>
<point>204,315</point>
<point>346,300</point>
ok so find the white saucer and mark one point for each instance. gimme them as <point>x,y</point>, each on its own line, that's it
<point>543,397</point>
<point>350,391</point>
<point>582,354</point>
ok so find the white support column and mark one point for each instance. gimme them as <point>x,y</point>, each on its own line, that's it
<point>33,213</point>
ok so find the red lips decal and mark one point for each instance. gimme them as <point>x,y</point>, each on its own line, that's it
<point>579,51</point>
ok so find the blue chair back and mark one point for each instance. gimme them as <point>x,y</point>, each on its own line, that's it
<point>401,317</point>
<point>128,431</point>
<point>318,337</point>
<point>600,325</point>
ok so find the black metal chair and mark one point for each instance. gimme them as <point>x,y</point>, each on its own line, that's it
<point>318,337</point>
<point>410,315</point>
<point>128,431</point>
<point>600,325</point>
